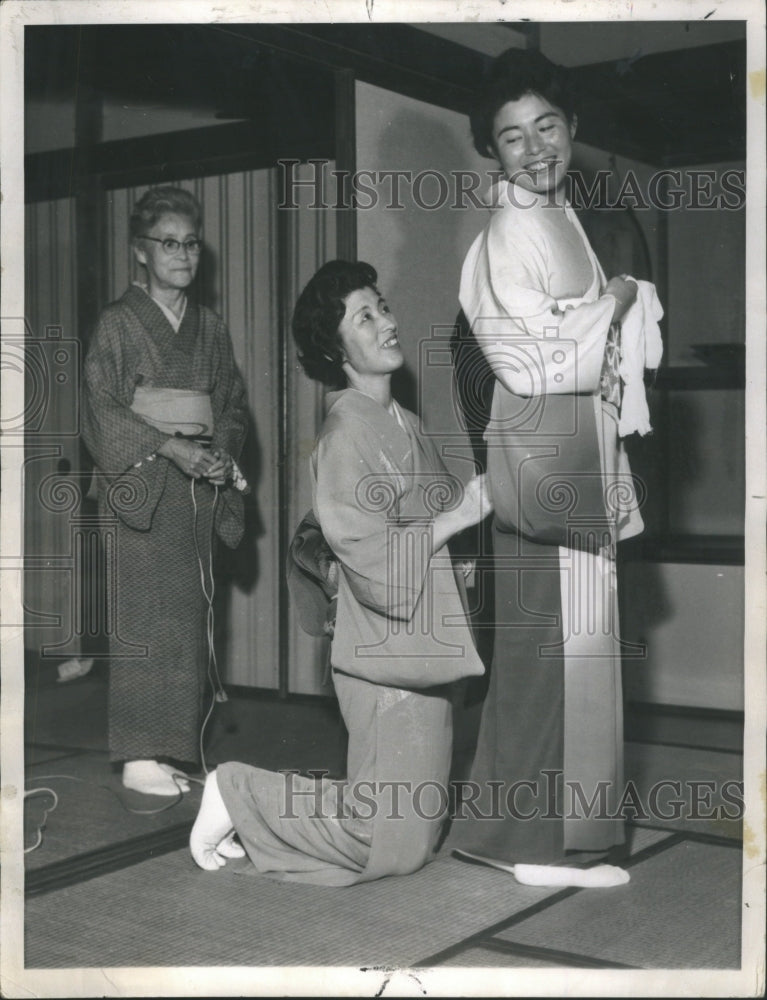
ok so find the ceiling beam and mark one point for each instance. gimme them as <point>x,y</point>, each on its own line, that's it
<point>680,107</point>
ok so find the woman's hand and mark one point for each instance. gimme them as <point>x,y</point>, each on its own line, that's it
<point>474,506</point>
<point>193,459</point>
<point>476,503</point>
<point>222,468</point>
<point>624,291</point>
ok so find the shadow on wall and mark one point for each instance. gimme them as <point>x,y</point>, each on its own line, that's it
<point>618,242</point>
<point>206,282</point>
<point>418,241</point>
<point>706,462</point>
<point>241,566</point>
<point>645,605</point>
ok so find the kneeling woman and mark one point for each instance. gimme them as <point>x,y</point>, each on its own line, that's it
<point>387,508</point>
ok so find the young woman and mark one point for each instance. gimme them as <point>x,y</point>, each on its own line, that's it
<point>387,508</point>
<point>158,364</point>
<point>546,320</point>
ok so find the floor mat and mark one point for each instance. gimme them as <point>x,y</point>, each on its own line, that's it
<point>171,913</point>
<point>487,958</point>
<point>681,910</point>
<point>94,810</point>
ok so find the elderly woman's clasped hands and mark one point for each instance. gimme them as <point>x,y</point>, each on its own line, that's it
<point>197,461</point>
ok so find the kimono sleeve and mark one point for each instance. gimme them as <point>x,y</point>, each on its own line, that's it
<point>384,561</point>
<point>228,397</point>
<point>116,438</point>
<point>535,344</point>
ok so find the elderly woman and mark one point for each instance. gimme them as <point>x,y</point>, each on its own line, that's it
<point>387,508</point>
<point>164,417</point>
<point>547,322</point>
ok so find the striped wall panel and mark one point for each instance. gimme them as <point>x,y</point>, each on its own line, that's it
<point>52,351</point>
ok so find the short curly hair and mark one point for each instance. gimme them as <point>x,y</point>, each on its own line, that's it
<point>160,201</point>
<point>319,310</point>
<point>514,73</point>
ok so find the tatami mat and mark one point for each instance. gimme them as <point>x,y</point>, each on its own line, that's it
<point>171,913</point>
<point>485,958</point>
<point>94,810</point>
<point>680,910</point>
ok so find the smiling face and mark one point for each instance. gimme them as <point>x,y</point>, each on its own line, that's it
<point>533,141</point>
<point>368,334</point>
<point>168,273</point>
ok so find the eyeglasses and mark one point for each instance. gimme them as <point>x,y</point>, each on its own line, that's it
<point>171,246</point>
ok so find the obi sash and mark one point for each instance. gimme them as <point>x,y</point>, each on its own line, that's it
<point>184,412</point>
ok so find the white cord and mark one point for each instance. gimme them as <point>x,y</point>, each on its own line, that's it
<point>219,695</point>
<point>28,793</point>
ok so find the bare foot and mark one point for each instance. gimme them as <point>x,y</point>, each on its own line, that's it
<point>152,778</point>
<point>599,877</point>
<point>211,838</point>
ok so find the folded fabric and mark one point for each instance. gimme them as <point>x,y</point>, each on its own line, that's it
<point>312,572</point>
<point>641,347</point>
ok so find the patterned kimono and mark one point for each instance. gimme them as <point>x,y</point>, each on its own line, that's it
<point>401,637</point>
<point>158,644</point>
<point>551,731</point>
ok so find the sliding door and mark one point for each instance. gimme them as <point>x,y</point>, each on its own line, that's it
<point>53,540</point>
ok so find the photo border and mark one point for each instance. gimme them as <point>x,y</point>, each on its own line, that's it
<point>330,981</point>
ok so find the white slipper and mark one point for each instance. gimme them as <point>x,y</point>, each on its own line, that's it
<point>72,669</point>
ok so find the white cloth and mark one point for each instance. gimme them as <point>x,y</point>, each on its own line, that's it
<point>641,347</point>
